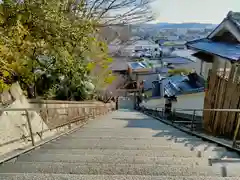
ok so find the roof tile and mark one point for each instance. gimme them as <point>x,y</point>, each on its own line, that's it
<point>225,50</point>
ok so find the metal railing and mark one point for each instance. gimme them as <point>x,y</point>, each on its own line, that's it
<point>54,118</point>
<point>192,121</point>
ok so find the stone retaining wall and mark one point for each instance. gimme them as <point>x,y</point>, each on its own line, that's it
<point>46,117</point>
<point>56,113</point>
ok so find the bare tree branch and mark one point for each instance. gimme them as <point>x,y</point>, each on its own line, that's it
<point>113,12</point>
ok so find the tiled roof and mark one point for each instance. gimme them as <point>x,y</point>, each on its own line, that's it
<point>119,64</point>
<point>234,17</point>
<point>138,65</point>
<point>225,50</point>
<point>177,85</point>
<point>177,60</point>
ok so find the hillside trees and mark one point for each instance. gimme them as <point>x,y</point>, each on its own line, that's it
<point>51,47</point>
<point>47,45</point>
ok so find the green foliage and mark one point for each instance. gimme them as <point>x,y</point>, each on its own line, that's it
<point>150,64</point>
<point>179,71</point>
<point>99,64</point>
<point>49,45</point>
<point>140,60</point>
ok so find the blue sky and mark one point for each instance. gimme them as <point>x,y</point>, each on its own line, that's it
<point>204,11</point>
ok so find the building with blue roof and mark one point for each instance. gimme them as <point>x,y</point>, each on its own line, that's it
<point>189,91</point>
<point>221,50</point>
<point>227,51</point>
<point>221,46</point>
<point>178,85</point>
<point>176,60</point>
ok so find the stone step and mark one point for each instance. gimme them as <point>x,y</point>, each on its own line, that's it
<point>124,138</point>
<point>107,169</point>
<point>119,129</point>
<point>146,134</point>
<point>137,146</point>
<point>132,135</point>
<point>120,124</point>
<point>129,131</point>
<point>157,142</point>
<point>108,146</point>
<point>166,151</point>
<point>114,159</point>
<point>143,126</point>
<point>193,144</point>
<point>38,176</point>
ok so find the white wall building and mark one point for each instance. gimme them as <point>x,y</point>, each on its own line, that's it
<point>129,50</point>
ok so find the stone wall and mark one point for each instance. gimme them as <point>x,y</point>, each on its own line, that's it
<point>57,113</point>
<point>13,124</point>
<point>46,117</point>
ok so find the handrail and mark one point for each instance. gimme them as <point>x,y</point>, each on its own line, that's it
<point>46,108</point>
<point>93,111</point>
<point>42,101</point>
<point>231,146</point>
<point>193,118</point>
<point>181,109</point>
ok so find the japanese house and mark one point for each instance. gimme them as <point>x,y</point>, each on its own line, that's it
<point>220,53</point>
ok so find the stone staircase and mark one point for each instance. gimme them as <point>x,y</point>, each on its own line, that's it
<point>122,145</point>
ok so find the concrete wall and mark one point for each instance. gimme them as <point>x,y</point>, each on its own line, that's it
<point>126,102</point>
<point>221,63</point>
<point>206,68</point>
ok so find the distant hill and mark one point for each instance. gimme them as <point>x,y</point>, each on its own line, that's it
<point>179,25</point>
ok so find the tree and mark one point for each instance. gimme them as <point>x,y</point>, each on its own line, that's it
<point>47,44</point>
<point>100,65</point>
<point>179,71</point>
<point>118,12</point>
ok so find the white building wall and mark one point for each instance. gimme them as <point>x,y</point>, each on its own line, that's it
<point>140,44</point>
<point>205,69</point>
<point>220,65</point>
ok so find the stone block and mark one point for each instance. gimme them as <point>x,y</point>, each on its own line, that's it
<point>5,98</point>
<point>16,91</point>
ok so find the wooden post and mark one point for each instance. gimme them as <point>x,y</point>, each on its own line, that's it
<point>94,112</point>
<point>173,115</point>
<point>84,114</point>
<point>210,161</point>
<point>135,94</point>
<point>201,68</point>
<point>224,171</point>
<point>117,103</point>
<point>236,132</point>
<point>69,125</point>
<point>199,154</point>
<point>30,127</point>
<point>193,119</point>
